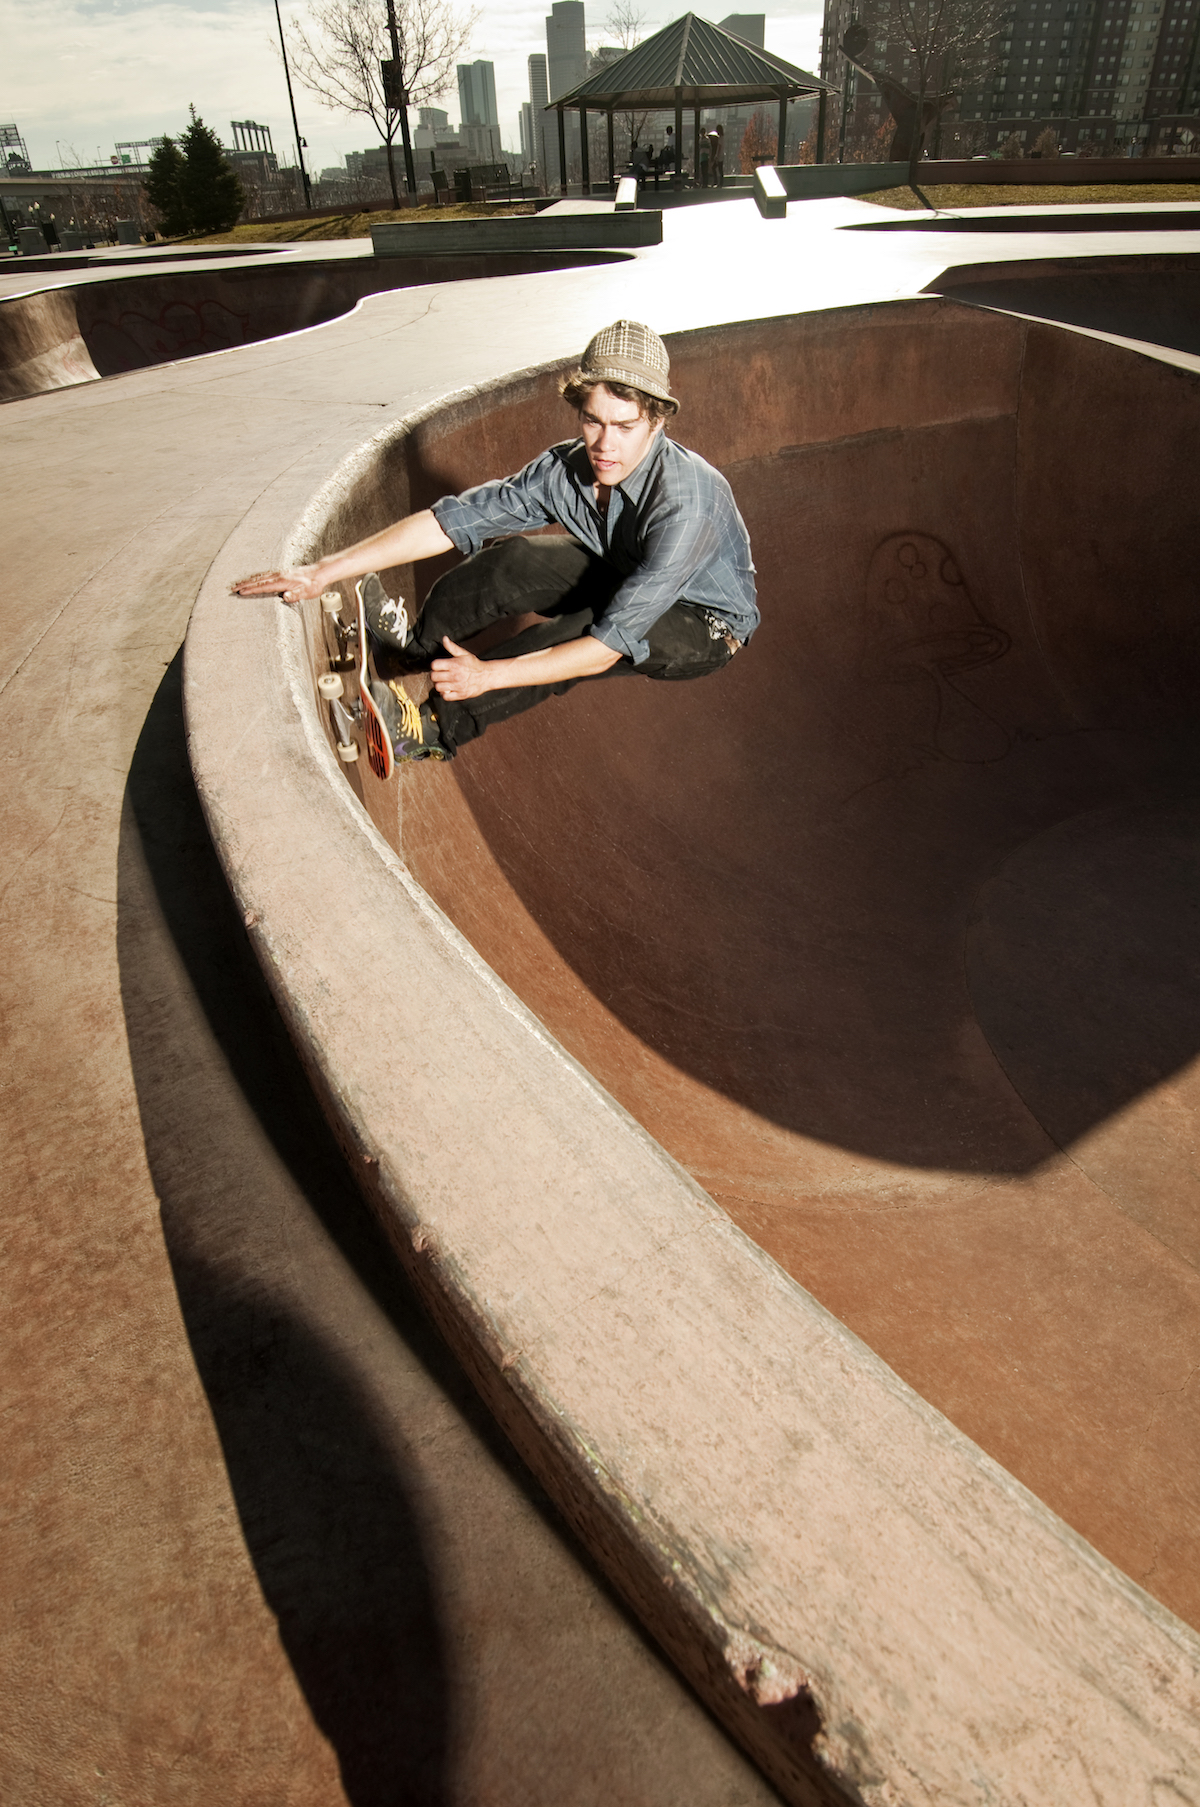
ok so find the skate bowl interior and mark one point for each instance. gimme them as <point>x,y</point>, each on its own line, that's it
<point>891,935</point>
<point>1176,217</point>
<point>1154,299</point>
<point>56,337</point>
<point>887,935</point>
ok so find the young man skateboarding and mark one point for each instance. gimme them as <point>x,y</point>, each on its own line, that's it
<point>655,579</point>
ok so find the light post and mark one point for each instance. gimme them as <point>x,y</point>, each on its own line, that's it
<point>398,97</point>
<point>287,76</point>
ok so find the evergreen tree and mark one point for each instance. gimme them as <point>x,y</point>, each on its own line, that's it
<point>164,186</point>
<point>191,183</point>
<point>212,189</point>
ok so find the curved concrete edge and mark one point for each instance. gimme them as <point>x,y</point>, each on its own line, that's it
<point>41,346</point>
<point>875,1609</point>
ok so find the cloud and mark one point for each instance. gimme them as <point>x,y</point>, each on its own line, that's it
<point>97,71</point>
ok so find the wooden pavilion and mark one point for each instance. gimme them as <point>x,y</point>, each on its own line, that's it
<point>687,65</point>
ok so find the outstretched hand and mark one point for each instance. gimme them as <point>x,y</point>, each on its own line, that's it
<point>460,676</point>
<point>300,584</point>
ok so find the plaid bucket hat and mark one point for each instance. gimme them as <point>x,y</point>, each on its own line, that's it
<point>628,352</point>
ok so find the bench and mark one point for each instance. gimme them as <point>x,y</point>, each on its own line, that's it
<point>476,182</point>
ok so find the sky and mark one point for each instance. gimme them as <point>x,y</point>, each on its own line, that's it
<point>79,75</point>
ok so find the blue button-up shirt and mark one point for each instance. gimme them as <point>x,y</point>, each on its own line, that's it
<point>672,530</point>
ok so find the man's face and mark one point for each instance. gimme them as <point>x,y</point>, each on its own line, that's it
<point>616,435</point>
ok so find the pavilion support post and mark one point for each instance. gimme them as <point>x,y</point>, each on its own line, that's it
<point>562,155</point>
<point>696,146</point>
<point>585,165</point>
<point>612,160</point>
<point>821,109</point>
<point>677,179</point>
<point>779,148</point>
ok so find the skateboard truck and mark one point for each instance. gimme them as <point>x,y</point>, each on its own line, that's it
<point>331,688</point>
<point>344,631</point>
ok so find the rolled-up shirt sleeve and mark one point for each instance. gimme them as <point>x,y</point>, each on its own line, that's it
<point>507,505</point>
<point>676,546</point>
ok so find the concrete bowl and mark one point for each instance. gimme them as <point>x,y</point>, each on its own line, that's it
<point>732,933</point>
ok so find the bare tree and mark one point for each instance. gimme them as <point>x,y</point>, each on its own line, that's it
<point>338,58</point>
<point>949,45</point>
<point>626,26</point>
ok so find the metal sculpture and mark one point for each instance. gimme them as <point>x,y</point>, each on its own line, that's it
<point>914,116</point>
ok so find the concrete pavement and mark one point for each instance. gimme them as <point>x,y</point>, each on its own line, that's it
<point>260,1541</point>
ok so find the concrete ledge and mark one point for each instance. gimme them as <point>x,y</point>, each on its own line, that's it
<point>547,231</point>
<point>770,195</point>
<point>878,1611</point>
<point>822,181</point>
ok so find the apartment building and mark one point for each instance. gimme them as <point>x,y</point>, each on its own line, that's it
<point>1102,74</point>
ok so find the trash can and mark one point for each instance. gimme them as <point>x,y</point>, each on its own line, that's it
<point>31,242</point>
<point>127,233</point>
<point>462,185</point>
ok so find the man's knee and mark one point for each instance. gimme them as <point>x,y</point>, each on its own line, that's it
<point>682,646</point>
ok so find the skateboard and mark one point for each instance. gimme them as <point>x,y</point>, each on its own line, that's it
<point>375,730</point>
<point>340,641</point>
<point>357,716</point>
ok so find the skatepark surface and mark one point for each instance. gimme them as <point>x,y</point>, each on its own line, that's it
<point>903,977</point>
<point>75,331</point>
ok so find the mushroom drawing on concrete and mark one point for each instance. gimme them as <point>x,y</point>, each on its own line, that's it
<point>924,628</point>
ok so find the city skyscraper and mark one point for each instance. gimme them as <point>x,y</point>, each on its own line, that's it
<point>750,27</point>
<point>566,51</point>
<point>566,67</point>
<point>477,94</point>
<point>539,100</point>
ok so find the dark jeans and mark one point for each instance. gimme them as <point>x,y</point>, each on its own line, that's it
<point>562,580</point>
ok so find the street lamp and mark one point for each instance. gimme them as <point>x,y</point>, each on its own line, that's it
<point>287,76</point>
<point>396,95</point>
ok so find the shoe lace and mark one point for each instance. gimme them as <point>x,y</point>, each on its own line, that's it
<point>410,716</point>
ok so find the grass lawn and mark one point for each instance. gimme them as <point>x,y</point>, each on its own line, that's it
<point>1041,194</point>
<point>347,225</point>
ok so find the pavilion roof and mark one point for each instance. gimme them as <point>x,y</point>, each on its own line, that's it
<point>694,63</point>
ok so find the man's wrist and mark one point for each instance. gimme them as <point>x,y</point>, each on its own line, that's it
<point>326,571</point>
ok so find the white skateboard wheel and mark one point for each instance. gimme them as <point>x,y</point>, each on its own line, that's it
<point>347,751</point>
<point>330,685</point>
<point>331,601</point>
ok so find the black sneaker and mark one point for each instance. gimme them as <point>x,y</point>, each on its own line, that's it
<point>387,621</point>
<point>413,731</point>
<point>428,742</point>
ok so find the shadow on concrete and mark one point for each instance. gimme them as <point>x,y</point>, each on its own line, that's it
<point>243,1163</point>
<point>261,1221</point>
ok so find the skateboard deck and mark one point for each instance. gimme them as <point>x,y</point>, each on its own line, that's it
<point>375,731</point>
<point>354,715</point>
